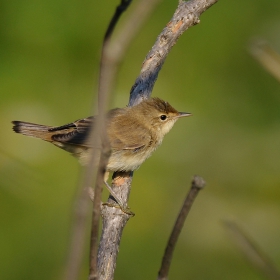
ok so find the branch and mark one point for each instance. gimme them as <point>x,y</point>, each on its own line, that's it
<point>186,15</point>
<point>114,221</point>
<point>197,184</point>
<point>77,242</point>
<point>267,57</point>
<point>118,47</point>
<point>252,251</point>
<point>104,91</point>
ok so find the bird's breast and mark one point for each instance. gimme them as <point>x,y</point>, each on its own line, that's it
<point>129,160</point>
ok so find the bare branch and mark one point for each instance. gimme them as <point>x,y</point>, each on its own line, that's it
<point>80,216</point>
<point>104,92</point>
<point>267,57</point>
<point>119,11</point>
<point>138,17</point>
<point>197,184</point>
<point>114,221</point>
<point>113,54</point>
<point>252,251</point>
<point>77,242</point>
<point>93,270</point>
<point>186,15</point>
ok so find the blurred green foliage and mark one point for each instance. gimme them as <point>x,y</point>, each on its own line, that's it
<point>49,53</point>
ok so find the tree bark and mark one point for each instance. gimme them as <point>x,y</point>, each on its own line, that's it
<point>114,221</point>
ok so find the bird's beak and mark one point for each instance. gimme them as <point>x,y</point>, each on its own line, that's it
<point>182,114</point>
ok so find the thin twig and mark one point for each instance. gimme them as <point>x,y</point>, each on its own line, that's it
<point>267,57</point>
<point>119,11</point>
<point>93,269</point>
<point>77,243</point>
<point>104,92</point>
<point>252,251</point>
<point>78,236</point>
<point>129,30</point>
<point>197,184</point>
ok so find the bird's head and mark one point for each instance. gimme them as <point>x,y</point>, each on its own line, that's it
<point>158,115</point>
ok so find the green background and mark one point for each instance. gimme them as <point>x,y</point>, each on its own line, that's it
<point>49,57</point>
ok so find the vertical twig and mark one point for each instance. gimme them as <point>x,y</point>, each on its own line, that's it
<point>77,242</point>
<point>104,90</point>
<point>129,30</point>
<point>197,184</point>
<point>93,271</point>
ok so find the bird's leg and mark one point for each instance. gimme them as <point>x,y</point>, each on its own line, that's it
<point>115,196</point>
<point>119,203</point>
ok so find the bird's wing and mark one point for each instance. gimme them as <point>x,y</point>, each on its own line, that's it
<point>76,133</point>
<point>126,133</point>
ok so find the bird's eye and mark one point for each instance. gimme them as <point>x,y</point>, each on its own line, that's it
<point>163,117</point>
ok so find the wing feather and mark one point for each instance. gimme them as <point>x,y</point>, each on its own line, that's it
<point>76,133</point>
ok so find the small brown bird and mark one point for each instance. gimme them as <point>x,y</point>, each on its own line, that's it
<point>133,133</point>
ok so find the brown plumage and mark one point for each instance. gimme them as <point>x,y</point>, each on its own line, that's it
<point>133,132</point>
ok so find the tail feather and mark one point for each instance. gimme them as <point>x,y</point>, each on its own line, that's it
<point>32,129</point>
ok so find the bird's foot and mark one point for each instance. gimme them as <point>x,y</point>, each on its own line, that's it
<point>119,203</point>
<point>126,210</point>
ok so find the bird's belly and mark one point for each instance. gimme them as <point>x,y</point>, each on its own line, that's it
<point>127,160</point>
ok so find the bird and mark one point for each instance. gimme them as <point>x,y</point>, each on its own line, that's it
<point>134,133</point>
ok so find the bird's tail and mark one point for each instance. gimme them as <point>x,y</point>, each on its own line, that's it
<point>32,129</point>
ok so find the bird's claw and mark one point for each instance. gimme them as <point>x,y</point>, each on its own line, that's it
<point>124,209</point>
